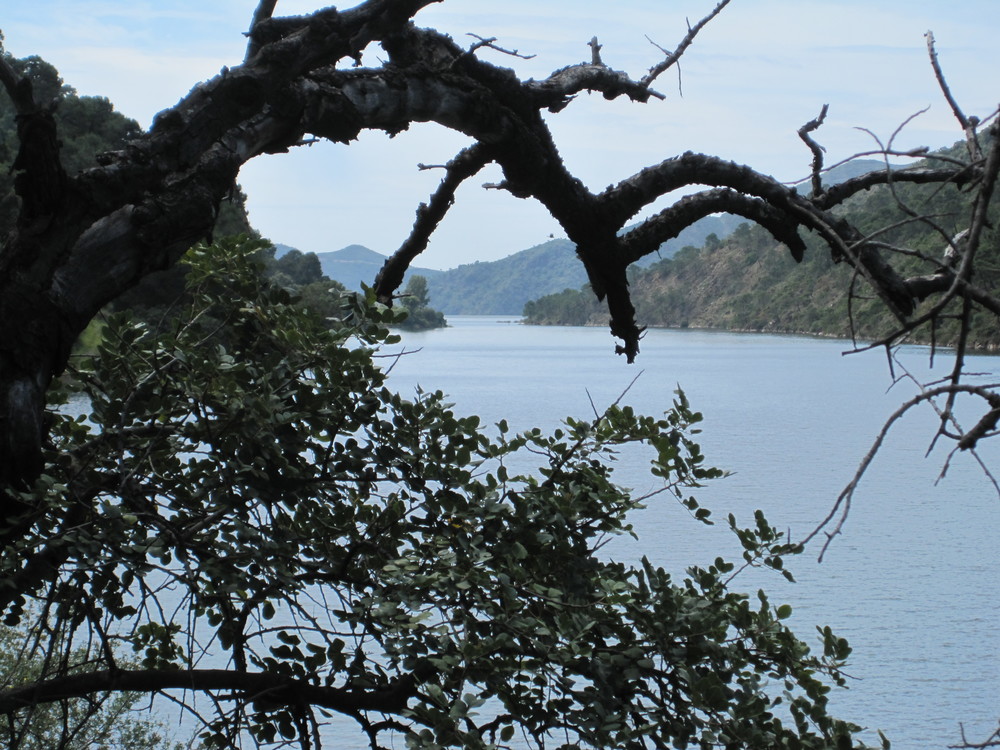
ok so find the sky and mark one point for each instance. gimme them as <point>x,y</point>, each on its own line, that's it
<point>751,79</point>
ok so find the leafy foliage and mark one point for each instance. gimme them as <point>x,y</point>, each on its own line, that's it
<point>247,493</point>
<point>105,723</point>
<point>301,275</point>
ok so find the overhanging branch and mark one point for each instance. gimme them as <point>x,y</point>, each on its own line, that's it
<point>669,223</point>
<point>429,216</point>
<point>258,686</point>
<point>626,198</point>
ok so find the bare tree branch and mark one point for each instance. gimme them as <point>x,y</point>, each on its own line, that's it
<point>429,215</point>
<point>992,741</point>
<point>686,42</point>
<point>837,194</point>
<point>968,124</point>
<point>842,506</point>
<point>648,236</point>
<point>265,9</point>
<point>490,43</point>
<point>817,150</point>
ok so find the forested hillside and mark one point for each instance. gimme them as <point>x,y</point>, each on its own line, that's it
<point>502,287</point>
<point>355,265</point>
<point>749,282</point>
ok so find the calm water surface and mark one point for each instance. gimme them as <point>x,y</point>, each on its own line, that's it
<point>912,582</point>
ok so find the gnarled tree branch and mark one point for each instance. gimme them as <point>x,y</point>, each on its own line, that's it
<point>429,215</point>
<point>256,686</point>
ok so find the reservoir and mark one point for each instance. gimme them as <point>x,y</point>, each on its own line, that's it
<point>912,580</point>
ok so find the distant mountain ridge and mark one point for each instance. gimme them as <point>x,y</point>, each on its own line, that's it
<point>502,287</point>
<point>355,265</point>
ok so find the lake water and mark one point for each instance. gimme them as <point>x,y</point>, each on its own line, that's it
<point>912,582</point>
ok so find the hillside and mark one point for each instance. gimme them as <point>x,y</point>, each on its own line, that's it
<point>355,265</point>
<point>502,287</point>
<point>749,282</point>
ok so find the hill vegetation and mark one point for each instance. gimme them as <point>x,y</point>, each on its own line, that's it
<point>499,287</point>
<point>355,265</point>
<point>502,287</point>
<point>749,282</point>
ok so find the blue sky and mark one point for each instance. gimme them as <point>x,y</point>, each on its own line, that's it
<point>757,73</point>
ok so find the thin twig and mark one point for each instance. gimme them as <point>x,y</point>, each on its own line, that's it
<point>489,43</point>
<point>672,57</point>
<point>842,506</point>
<point>968,124</point>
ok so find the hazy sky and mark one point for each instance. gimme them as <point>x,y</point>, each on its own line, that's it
<point>754,75</point>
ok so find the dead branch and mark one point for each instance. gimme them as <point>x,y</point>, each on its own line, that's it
<point>648,236</point>
<point>672,57</point>
<point>556,91</point>
<point>817,150</point>
<point>490,43</point>
<point>968,124</point>
<point>263,12</point>
<point>842,507</point>
<point>595,52</point>
<point>992,741</point>
<point>429,216</point>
